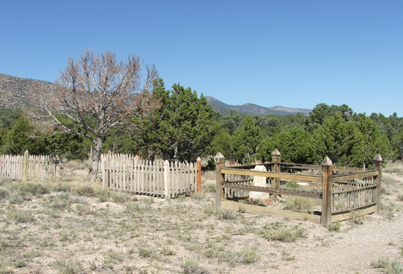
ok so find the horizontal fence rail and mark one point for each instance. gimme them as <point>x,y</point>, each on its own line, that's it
<point>341,189</point>
<point>125,172</point>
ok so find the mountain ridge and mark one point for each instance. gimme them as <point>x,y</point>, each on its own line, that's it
<point>249,108</point>
<point>15,92</point>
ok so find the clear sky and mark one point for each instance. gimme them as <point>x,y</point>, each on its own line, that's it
<point>271,53</point>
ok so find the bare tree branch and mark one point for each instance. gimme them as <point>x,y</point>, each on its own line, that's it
<point>95,94</point>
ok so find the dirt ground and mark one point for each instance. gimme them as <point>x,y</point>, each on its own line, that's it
<point>66,226</point>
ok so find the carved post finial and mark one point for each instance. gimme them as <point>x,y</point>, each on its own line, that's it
<point>276,152</point>
<point>327,162</point>
<point>218,156</point>
<point>378,158</point>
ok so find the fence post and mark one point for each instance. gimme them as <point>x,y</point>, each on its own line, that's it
<point>327,183</point>
<point>24,166</point>
<point>103,156</point>
<point>220,163</point>
<point>198,163</point>
<point>167,185</point>
<point>57,168</point>
<point>378,166</point>
<point>276,159</point>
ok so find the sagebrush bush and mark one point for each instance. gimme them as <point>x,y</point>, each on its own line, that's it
<point>291,184</point>
<point>33,189</point>
<point>283,234</point>
<point>86,191</point>
<point>209,188</point>
<point>226,214</point>
<point>192,266</point>
<point>389,267</point>
<point>334,226</point>
<point>4,193</point>
<point>300,204</point>
<point>21,216</point>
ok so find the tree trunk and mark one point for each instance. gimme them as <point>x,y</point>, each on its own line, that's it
<point>96,157</point>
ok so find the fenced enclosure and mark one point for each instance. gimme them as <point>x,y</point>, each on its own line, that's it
<point>125,172</point>
<point>340,190</point>
<point>25,167</point>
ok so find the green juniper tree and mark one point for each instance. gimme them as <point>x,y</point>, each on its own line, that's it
<point>246,140</point>
<point>341,141</point>
<point>183,127</point>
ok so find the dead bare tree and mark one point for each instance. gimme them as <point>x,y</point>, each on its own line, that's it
<point>98,93</point>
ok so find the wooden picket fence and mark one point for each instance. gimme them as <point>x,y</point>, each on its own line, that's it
<point>24,167</point>
<point>126,172</point>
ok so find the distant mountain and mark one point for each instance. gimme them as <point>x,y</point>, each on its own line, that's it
<point>254,109</point>
<point>15,91</point>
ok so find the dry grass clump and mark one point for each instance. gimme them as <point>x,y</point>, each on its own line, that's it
<point>396,167</point>
<point>278,232</point>
<point>192,266</point>
<point>73,227</point>
<point>387,266</point>
<point>300,204</point>
<point>334,226</point>
<point>209,188</point>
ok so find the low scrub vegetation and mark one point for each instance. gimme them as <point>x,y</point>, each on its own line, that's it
<point>72,227</point>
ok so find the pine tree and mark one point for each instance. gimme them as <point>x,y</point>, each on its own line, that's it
<point>246,140</point>
<point>341,141</point>
<point>184,125</point>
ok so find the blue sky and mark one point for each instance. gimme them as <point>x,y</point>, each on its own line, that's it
<point>271,53</point>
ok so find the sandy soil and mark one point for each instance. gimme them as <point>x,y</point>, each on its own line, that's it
<point>76,228</point>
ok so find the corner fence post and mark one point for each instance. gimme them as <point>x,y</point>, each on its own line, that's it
<point>199,169</point>
<point>276,159</point>
<point>378,166</point>
<point>327,183</point>
<point>220,163</point>
<point>25,166</point>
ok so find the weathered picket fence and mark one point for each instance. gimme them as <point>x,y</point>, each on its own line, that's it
<point>24,167</point>
<point>126,172</point>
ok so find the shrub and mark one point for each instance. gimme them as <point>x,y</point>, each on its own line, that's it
<point>334,226</point>
<point>145,253</point>
<point>283,234</point>
<point>300,204</point>
<point>4,193</point>
<point>86,191</point>
<point>227,214</point>
<point>209,188</point>
<point>246,256</point>
<point>192,266</point>
<point>356,217</point>
<point>21,216</point>
<point>256,202</point>
<point>391,267</point>
<point>62,187</point>
<point>292,184</point>
<point>25,189</point>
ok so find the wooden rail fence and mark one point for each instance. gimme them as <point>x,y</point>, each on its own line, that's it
<point>24,167</point>
<point>127,172</point>
<point>341,190</point>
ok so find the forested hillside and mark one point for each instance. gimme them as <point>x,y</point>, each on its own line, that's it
<point>185,127</point>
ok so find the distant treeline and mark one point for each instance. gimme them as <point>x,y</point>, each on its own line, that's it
<point>185,127</point>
